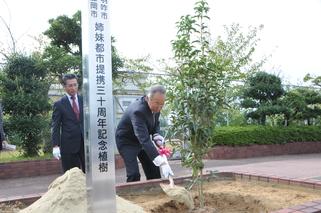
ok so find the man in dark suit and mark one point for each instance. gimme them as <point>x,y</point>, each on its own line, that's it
<point>67,126</point>
<point>133,137</point>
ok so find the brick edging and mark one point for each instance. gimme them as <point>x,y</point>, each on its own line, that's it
<point>30,168</point>
<point>233,152</point>
<point>26,199</point>
<point>19,169</point>
<point>52,166</point>
<point>311,207</point>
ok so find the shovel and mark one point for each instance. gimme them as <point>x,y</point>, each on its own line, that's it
<point>177,193</point>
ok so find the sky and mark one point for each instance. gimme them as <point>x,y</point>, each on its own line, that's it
<point>291,33</point>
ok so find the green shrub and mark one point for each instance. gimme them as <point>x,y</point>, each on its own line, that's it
<point>24,90</point>
<point>248,135</point>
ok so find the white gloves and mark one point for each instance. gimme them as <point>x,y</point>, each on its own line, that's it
<point>161,161</point>
<point>166,170</point>
<point>56,152</point>
<point>8,146</point>
<point>158,140</point>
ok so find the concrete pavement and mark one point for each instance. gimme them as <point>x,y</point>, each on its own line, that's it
<point>290,166</point>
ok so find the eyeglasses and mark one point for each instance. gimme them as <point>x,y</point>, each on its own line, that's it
<point>72,85</point>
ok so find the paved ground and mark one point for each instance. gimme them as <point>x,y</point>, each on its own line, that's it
<point>290,166</point>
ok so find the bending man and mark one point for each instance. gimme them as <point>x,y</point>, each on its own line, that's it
<point>133,136</point>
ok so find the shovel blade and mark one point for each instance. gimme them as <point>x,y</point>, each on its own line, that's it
<point>179,194</point>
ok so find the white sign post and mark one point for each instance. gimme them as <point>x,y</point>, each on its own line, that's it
<point>98,107</point>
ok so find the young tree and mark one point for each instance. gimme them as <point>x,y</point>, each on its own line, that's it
<point>261,96</point>
<point>197,85</point>
<point>24,91</point>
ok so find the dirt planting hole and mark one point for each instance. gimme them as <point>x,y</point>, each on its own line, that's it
<point>216,203</point>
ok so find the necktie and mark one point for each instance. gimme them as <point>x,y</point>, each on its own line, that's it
<point>154,119</point>
<point>75,107</point>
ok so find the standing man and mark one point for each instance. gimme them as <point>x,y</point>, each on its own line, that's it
<point>67,126</point>
<point>133,136</point>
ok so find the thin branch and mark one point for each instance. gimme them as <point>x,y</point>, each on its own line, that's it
<point>10,33</point>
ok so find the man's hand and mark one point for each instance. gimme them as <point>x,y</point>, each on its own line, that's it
<point>159,140</point>
<point>56,152</point>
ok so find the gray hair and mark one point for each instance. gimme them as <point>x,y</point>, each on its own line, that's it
<point>156,89</point>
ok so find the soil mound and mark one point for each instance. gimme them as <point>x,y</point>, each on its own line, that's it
<point>68,194</point>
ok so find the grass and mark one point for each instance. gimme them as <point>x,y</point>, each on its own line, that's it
<point>12,156</point>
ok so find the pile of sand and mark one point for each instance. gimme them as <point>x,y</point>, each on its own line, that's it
<point>68,194</point>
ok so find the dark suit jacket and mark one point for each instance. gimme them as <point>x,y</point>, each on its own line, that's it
<point>136,126</point>
<point>67,132</point>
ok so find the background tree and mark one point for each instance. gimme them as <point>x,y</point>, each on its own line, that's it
<point>261,96</point>
<point>138,72</point>
<point>316,80</point>
<point>11,47</point>
<point>231,114</point>
<point>304,104</point>
<point>197,85</point>
<point>24,91</point>
<point>64,52</point>
<point>65,32</point>
<point>7,47</point>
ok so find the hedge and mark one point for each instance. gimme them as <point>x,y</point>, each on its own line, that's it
<point>247,135</point>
